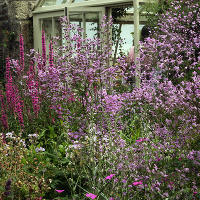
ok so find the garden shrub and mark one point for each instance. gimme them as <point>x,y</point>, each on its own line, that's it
<point>102,138</point>
<point>22,170</point>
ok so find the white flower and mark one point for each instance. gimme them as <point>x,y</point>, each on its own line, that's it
<point>40,149</point>
<point>9,135</point>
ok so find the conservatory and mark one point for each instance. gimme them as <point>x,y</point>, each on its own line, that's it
<point>88,15</point>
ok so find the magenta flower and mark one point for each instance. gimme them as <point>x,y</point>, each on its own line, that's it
<point>92,196</point>
<point>4,119</point>
<point>195,193</point>
<point>141,140</point>
<point>51,55</point>
<point>43,49</point>
<point>21,45</point>
<point>60,191</point>
<point>109,177</point>
<point>18,103</point>
<point>137,183</point>
<point>9,84</point>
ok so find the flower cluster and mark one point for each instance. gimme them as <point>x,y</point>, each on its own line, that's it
<point>32,85</point>
<point>90,195</point>
<point>4,119</point>
<point>43,49</point>
<point>145,139</point>
<point>12,95</point>
<point>21,45</point>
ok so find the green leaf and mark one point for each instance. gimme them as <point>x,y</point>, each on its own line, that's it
<point>23,160</point>
<point>42,134</point>
<point>52,132</point>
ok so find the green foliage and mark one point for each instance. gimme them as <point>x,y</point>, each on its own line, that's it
<point>136,124</point>
<point>25,168</point>
<point>154,10</point>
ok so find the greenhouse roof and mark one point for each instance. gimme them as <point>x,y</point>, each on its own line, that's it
<point>45,5</point>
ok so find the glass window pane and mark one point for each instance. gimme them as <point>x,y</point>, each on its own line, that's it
<point>127,37</point>
<point>89,20</point>
<point>53,2</point>
<point>75,1</point>
<point>127,34</point>
<point>47,27</point>
<point>123,28</point>
<point>91,29</point>
<point>75,17</point>
<point>58,30</point>
<point>92,24</point>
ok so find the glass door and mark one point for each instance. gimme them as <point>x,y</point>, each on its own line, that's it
<point>88,18</point>
<point>48,22</point>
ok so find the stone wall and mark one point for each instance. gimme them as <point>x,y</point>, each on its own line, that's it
<point>15,18</point>
<point>3,32</point>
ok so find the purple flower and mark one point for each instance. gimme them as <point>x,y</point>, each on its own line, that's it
<point>40,149</point>
<point>8,187</point>
<point>124,181</point>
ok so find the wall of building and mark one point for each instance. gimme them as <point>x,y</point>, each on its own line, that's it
<point>3,28</point>
<point>15,18</point>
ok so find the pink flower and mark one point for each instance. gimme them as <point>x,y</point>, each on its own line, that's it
<point>141,140</point>
<point>43,48</point>
<point>92,196</point>
<point>21,45</point>
<point>3,111</point>
<point>109,177</point>
<point>137,183</point>
<point>194,193</point>
<point>60,191</point>
<point>50,55</point>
